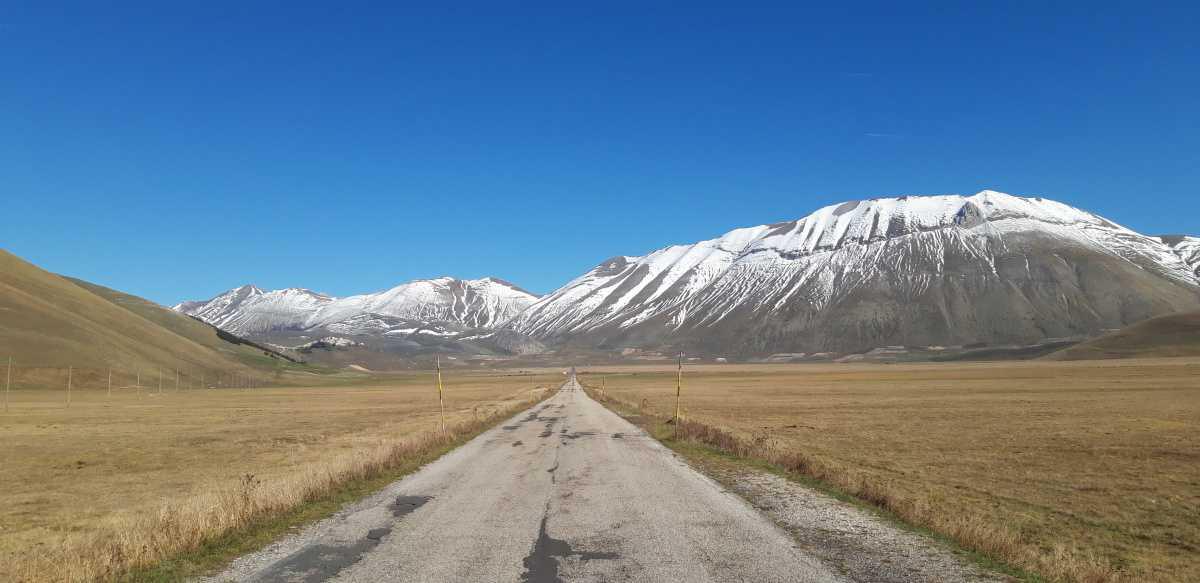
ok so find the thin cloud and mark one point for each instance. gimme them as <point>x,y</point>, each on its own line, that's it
<point>882,135</point>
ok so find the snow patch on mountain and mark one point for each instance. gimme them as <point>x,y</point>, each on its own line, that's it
<point>329,342</point>
<point>1187,248</point>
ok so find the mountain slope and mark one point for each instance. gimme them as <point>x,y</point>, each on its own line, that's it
<point>435,307</point>
<point>1187,248</point>
<point>189,327</point>
<point>52,321</point>
<point>1171,335</point>
<point>910,270</point>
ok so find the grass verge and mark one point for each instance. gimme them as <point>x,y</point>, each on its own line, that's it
<point>197,535</point>
<point>993,547</point>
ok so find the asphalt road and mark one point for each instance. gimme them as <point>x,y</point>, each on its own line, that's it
<point>567,491</point>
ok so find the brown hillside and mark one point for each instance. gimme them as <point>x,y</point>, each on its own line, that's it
<point>50,321</point>
<point>1171,335</point>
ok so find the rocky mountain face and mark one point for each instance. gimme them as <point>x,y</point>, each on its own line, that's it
<point>913,270</point>
<point>412,315</point>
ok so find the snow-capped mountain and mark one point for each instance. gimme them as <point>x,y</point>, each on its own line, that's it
<point>912,270</point>
<point>1187,248</point>
<point>249,310</point>
<point>441,307</point>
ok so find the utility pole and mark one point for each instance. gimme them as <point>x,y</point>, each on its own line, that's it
<point>678,390</point>
<point>441,404</point>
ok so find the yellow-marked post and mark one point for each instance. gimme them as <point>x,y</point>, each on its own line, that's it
<point>441,402</point>
<point>678,390</point>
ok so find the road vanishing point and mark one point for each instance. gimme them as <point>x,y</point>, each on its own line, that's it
<point>566,491</point>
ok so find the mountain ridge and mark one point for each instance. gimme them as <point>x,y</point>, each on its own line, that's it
<point>987,268</point>
<point>443,306</point>
<point>863,273</point>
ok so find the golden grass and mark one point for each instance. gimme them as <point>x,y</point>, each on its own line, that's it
<point>1079,471</point>
<point>117,483</point>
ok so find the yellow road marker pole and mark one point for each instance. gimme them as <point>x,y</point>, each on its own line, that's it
<point>109,382</point>
<point>441,402</point>
<point>678,390</point>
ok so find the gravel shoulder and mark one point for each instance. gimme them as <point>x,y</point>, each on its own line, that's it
<point>854,542</point>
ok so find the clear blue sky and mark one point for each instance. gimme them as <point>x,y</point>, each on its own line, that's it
<point>176,151</point>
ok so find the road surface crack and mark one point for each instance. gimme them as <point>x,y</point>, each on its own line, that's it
<point>542,563</point>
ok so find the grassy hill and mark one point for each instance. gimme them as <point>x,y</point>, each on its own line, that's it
<point>189,327</point>
<point>47,320</point>
<point>1171,335</point>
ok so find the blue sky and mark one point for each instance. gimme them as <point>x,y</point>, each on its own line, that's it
<point>174,152</point>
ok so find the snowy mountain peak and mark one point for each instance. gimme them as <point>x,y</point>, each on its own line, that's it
<point>866,221</point>
<point>468,304</point>
<point>499,286</point>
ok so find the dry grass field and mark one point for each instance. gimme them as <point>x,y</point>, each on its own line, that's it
<point>140,464</point>
<point>1086,471</point>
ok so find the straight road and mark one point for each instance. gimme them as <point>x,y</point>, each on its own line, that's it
<point>567,491</point>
